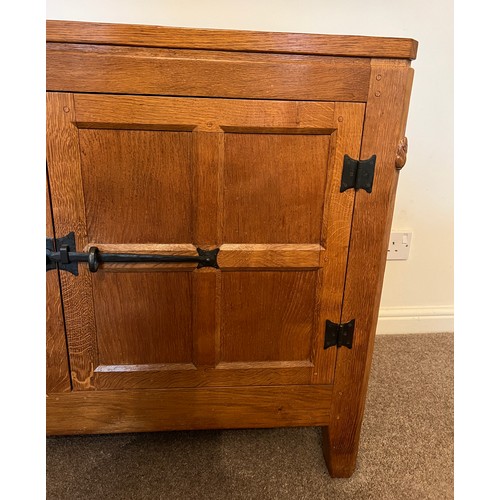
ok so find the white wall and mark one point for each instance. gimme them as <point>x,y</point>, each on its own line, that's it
<point>418,293</point>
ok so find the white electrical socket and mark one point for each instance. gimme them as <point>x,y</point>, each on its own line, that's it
<point>399,245</point>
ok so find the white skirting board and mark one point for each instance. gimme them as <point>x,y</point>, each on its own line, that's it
<point>415,319</point>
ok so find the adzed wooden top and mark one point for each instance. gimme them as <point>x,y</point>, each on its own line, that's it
<point>230,40</point>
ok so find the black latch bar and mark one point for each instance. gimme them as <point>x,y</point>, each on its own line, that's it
<point>67,257</point>
<point>339,334</point>
<point>358,174</point>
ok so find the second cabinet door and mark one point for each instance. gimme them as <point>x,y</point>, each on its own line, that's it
<point>258,180</point>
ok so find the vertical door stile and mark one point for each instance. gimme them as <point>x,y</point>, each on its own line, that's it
<point>335,234</point>
<point>68,206</point>
<point>57,362</point>
<point>207,162</point>
<point>386,111</point>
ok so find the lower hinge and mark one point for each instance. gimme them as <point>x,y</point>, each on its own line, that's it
<point>339,334</point>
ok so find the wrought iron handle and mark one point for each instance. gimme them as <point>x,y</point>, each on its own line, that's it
<point>68,259</point>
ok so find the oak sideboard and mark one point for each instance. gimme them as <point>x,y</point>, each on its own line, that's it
<point>219,206</point>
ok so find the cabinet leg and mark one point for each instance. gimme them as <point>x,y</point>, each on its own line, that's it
<point>340,462</point>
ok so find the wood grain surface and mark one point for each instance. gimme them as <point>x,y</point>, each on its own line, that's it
<point>164,175</point>
<point>68,206</point>
<point>162,140</point>
<point>157,72</point>
<point>217,39</point>
<point>188,375</point>
<point>287,175</point>
<point>141,177</point>
<point>335,235</point>
<point>143,318</point>
<point>177,409</point>
<point>208,158</point>
<point>208,115</point>
<point>267,316</point>
<point>384,123</point>
<point>57,363</point>
<point>269,256</point>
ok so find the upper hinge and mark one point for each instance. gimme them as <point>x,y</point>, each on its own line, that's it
<point>339,334</point>
<point>358,174</point>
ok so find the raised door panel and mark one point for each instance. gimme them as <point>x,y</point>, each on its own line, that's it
<point>143,318</point>
<point>137,185</point>
<point>268,316</point>
<point>259,180</point>
<point>274,187</point>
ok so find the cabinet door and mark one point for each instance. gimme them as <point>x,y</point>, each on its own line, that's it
<point>257,180</point>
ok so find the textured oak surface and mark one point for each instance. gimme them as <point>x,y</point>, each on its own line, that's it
<point>286,174</point>
<point>406,448</point>
<point>57,369</point>
<point>260,180</point>
<point>110,69</point>
<point>267,316</point>
<point>68,207</point>
<point>141,177</point>
<point>217,39</point>
<point>143,318</point>
<point>149,410</point>
<point>165,140</point>
<point>367,257</point>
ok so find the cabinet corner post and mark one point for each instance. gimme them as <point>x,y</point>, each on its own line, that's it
<point>386,113</point>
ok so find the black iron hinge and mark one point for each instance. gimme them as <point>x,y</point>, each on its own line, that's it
<point>358,174</point>
<point>339,334</point>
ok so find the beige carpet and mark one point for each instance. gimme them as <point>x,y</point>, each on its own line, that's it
<point>406,449</point>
